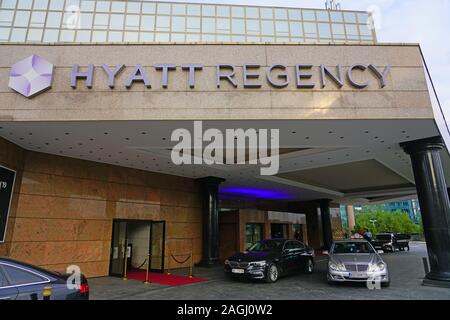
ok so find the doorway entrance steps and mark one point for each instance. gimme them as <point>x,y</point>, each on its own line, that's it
<point>161,278</point>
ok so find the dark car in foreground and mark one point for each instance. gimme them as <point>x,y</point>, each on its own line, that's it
<point>269,259</point>
<point>22,281</point>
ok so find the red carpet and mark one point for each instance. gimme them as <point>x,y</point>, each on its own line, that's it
<point>162,278</point>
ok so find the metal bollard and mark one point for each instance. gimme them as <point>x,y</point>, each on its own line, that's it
<point>147,279</point>
<point>125,259</point>
<point>168,261</point>
<point>191,265</point>
<point>47,293</point>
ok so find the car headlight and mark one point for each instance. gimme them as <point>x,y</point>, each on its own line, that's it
<point>336,266</point>
<point>380,266</point>
<point>257,264</point>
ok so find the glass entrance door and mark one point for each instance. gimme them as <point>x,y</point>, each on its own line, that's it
<point>118,247</point>
<point>157,245</point>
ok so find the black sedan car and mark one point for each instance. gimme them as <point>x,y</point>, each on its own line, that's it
<point>21,281</point>
<point>269,259</point>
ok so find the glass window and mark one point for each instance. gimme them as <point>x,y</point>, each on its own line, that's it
<point>25,4</point>
<point>209,11</point>
<point>57,5</point>
<point>363,18</point>
<point>253,27</point>
<point>162,37</point>
<point>83,36</point>
<point>18,35</point>
<point>208,25</point>
<point>295,14</point>
<point>4,34</point>
<point>72,3</point>
<point>193,9</point>
<point>22,18</point>
<point>223,25</point>
<point>134,7</point>
<point>115,36</point>
<point>324,30</point>
<point>9,4</point>
<point>101,21</point>
<point>193,24</point>
<point>99,36</point>
<point>148,23</point>
<point>238,26</point>
<point>163,8</point>
<point>6,17</point>
<point>18,276</point>
<point>223,38</point>
<point>116,22</point>
<point>350,17</point>
<point>37,19</point>
<point>178,24</point>
<point>253,234</point>
<point>310,29</point>
<point>118,6</point>
<point>131,37</point>
<point>162,23</point>
<point>281,14</point>
<point>102,6</point>
<point>365,30</point>
<point>54,19</point>
<point>3,281</point>
<point>87,6</point>
<point>51,35</point>
<point>267,27</point>
<point>253,39</point>
<point>309,15</point>
<point>146,36</point>
<point>223,11</point>
<point>282,28</point>
<point>338,29</point>
<point>322,16</point>
<point>192,37</point>
<point>336,16</point>
<point>86,20</point>
<point>40,4</point>
<point>67,35</point>
<point>238,38</point>
<point>179,9</point>
<point>296,29</point>
<point>132,22</point>
<point>237,12</point>
<point>351,29</point>
<point>252,12</point>
<point>208,38</point>
<point>177,37</point>
<point>34,35</point>
<point>148,8</point>
<point>266,13</point>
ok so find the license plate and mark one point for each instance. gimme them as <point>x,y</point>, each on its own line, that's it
<point>240,271</point>
<point>357,275</point>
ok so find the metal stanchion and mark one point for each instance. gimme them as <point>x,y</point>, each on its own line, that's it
<point>125,259</point>
<point>168,260</point>
<point>47,293</point>
<point>191,264</point>
<point>147,279</point>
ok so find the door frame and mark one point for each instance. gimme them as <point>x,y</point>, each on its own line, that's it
<point>150,222</point>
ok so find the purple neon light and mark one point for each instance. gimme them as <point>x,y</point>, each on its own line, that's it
<point>31,76</point>
<point>255,193</point>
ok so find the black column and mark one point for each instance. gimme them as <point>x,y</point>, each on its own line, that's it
<point>210,210</point>
<point>434,204</point>
<point>326,223</point>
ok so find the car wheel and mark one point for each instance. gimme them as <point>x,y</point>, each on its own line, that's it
<point>272,273</point>
<point>386,284</point>
<point>309,266</point>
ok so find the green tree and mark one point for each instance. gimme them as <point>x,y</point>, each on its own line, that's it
<point>385,221</point>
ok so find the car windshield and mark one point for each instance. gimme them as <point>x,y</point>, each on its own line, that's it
<point>267,245</point>
<point>352,248</point>
<point>383,237</point>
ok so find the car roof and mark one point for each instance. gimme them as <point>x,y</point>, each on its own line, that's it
<point>30,266</point>
<point>351,240</point>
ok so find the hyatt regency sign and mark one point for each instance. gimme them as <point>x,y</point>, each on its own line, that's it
<point>34,75</point>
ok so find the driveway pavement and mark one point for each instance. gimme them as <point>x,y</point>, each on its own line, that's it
<point>406,271</point>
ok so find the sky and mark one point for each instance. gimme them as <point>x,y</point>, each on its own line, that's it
<point>404,21</point>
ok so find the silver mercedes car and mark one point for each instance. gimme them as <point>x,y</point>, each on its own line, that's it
<point>356,261</point>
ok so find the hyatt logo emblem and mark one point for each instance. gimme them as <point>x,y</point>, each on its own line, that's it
<point>31,76</point>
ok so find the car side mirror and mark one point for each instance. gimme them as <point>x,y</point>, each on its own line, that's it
<point>326,252</point>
